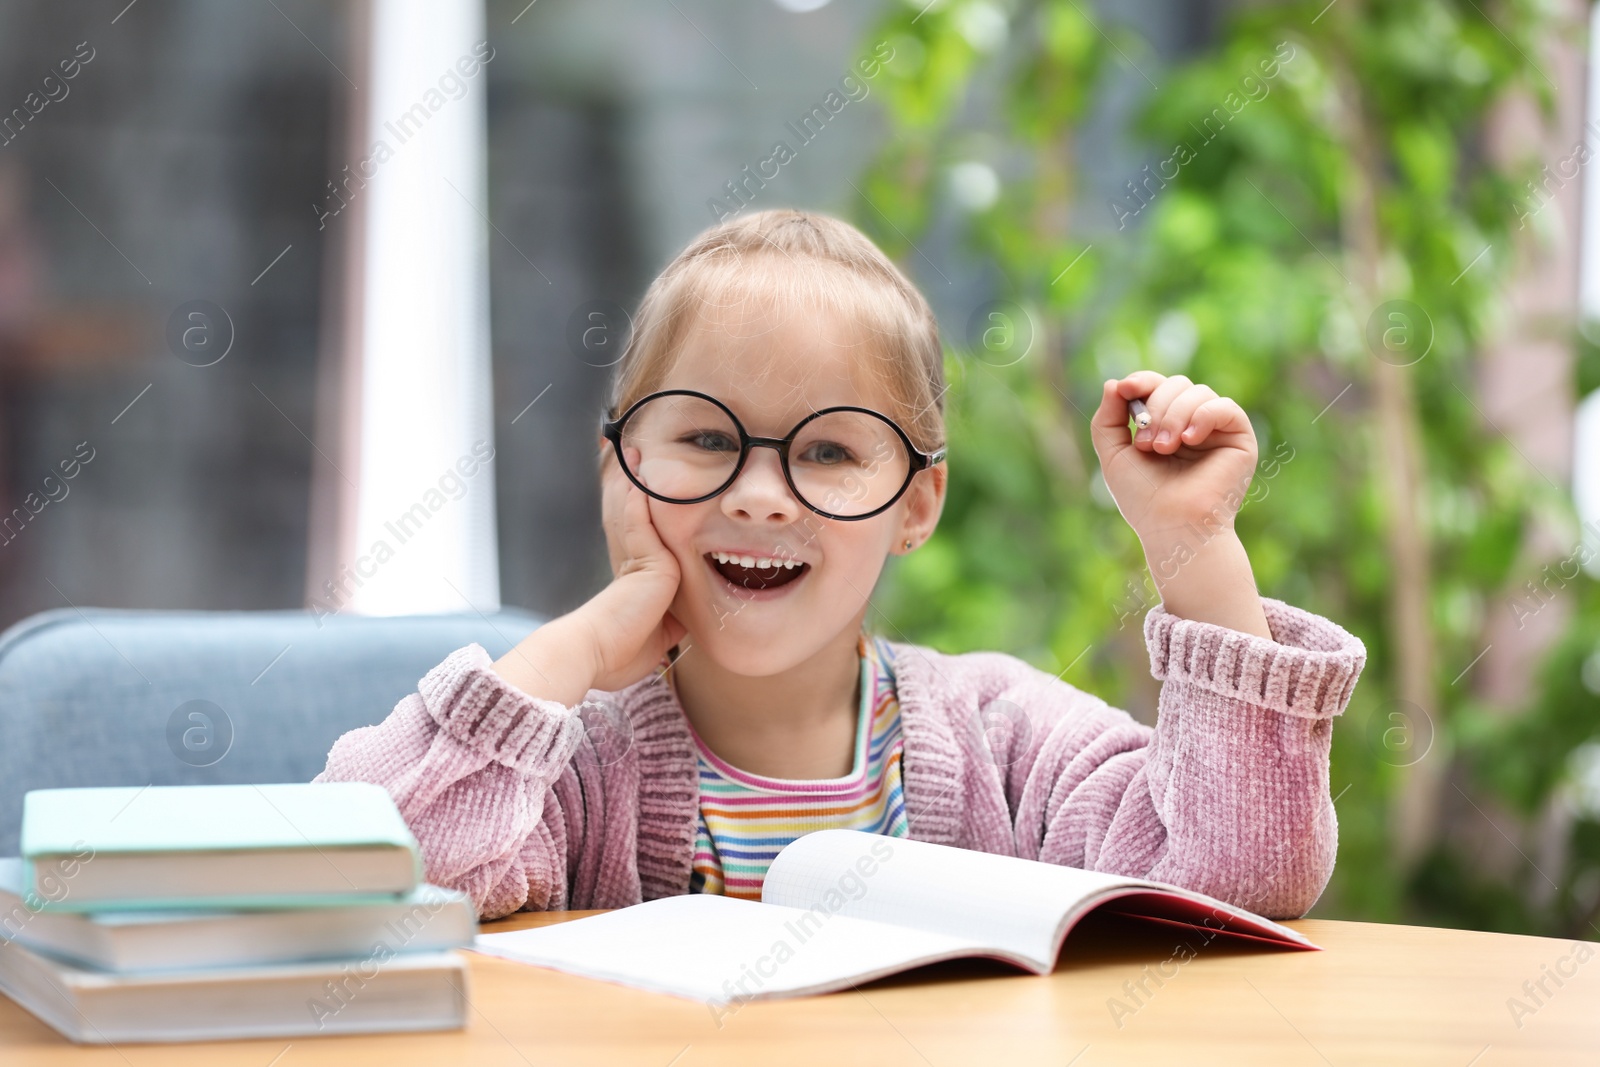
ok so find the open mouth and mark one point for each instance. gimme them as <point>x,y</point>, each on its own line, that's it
<point>756,575</point>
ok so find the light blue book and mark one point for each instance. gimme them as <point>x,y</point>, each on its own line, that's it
<point>296,844</point>
<point>430,919</point>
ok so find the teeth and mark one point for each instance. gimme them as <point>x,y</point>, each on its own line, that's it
<point>756,562</point>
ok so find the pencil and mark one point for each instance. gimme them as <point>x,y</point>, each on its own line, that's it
<point>1141,414</point>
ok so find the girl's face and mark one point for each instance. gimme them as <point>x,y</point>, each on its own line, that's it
<point>772,369</point>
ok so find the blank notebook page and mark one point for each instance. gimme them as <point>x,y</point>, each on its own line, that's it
<point>703,947</point>
<point>1011,904</point>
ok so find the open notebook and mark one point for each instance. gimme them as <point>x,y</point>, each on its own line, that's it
<point>841,907</point>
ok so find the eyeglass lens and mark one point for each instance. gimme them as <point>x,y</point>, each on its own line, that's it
<point>843,463</point>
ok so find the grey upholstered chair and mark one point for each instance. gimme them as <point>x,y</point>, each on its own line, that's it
<point>111,697</point>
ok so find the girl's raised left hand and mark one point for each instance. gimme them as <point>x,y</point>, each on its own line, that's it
<point>1192,464</point>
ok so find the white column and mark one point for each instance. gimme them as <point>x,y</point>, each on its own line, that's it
<point>416,478</point>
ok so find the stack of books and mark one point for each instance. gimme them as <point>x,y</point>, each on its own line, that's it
<point>189,913</point>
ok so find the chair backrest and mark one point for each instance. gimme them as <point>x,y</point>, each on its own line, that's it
<point>112,697</point>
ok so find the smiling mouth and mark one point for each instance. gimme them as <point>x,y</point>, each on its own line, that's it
<point>773,576</point>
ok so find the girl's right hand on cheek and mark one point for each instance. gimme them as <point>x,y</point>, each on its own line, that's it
<point>630,623</point>
<point>622,632</point>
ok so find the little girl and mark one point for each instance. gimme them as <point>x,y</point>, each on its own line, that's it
<point>775,432</point>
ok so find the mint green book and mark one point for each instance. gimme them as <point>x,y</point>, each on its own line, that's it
<point>297,844</point>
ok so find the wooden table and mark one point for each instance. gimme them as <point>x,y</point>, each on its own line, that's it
<point>1378,995</point>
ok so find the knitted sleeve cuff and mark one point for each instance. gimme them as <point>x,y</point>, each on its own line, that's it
<point>486,713</point>
<point>1309,669</point>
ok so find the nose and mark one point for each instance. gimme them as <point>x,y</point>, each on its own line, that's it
<point>760,491</point>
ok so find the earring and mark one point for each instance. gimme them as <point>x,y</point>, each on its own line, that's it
<point>908,544</point>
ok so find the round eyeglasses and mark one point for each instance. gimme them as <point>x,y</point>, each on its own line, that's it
<point>841,462</point>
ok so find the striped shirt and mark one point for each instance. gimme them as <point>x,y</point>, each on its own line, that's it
<point>746,819</point>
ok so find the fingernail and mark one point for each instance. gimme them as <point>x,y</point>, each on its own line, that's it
<point>1163,437</point>
<point>1143,434</point>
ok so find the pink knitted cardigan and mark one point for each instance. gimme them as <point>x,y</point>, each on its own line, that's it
<point>525,803</point>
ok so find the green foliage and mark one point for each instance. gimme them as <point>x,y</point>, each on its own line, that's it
<point>1311,165</point>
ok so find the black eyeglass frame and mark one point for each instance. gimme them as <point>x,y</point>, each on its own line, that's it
<point>920,460</point>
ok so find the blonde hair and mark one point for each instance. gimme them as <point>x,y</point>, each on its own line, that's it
<point>817,262</point>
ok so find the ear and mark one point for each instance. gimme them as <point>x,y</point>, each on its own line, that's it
<point>924,504</point>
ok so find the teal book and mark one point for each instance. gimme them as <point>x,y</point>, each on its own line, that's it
<point>430,919</point>
<point>298,844</point>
